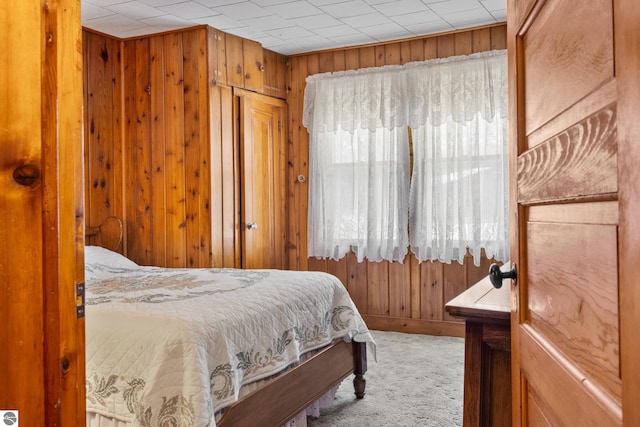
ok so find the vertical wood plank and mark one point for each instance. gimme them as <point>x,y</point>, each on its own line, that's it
<point>339,60</point>
<point>499,37</point>
<point>192,144</point>
<point>400,288</point>
<point>392,54</point>
<point>377,288</point>
<point>352,59</point>
<point>481,40</point>
<point>157,150</point>
<point>253,65</point>
<point>405,52</point>
<point>455,283</point>
<point>142,242</point>
<point>379,55</point>
<point>174,150</point>
<point>432,293</point>
<point>463,43</point>
<point>357,282</point>
<point>446,46</point>
<point>325,62</point>
<point>339,269</point>
<point>367,57</point>
<point>235,62</point>
<point>417,50</point>
<point>416,287</point>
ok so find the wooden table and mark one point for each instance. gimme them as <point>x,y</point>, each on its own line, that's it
<point>487,361</point>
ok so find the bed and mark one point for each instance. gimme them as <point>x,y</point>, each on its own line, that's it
<point>213,347</point>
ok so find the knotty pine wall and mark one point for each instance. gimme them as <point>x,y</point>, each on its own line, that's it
<point>160,140</point>
<point>392,296</point>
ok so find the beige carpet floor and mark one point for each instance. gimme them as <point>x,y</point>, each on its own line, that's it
<point>417,381</point>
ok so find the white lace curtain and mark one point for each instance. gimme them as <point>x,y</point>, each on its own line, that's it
<point>359,191</point>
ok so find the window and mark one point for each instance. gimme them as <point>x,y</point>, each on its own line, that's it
<point>359,194</point>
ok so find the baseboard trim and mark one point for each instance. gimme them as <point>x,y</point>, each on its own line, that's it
<point>415,326</point>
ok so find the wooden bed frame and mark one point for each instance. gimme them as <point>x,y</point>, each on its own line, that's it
<point>288,394</point>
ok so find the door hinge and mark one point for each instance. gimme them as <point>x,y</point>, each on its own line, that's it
<point>79,300</point>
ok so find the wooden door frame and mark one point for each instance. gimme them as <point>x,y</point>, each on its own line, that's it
<point>43,365</point>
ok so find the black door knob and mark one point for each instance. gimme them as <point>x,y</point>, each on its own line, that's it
<point>496,275</point>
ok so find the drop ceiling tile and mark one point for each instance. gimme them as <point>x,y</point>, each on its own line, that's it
<point>430,28</point>
<point>242,11</point>
<point>135,10</point>
<point>90,11</point>
<point>384,31</point>
<point>290,33</point>
<point>367,20</point>
<point>188,10</point>
<point>416,18</point>
<point>348,8</point>
<point>269,22</point>
<point>221,22</point>
<point>444,8</point>
<point>402,8</point>
<point>336,31</point>
<point>156,3</point>
<point>492,5</point>
<point>295,9</point>
<point>316,21</point>
<point>470,18</point>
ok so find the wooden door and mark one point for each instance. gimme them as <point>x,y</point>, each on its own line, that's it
<point>566,311</point>
<point>262,180</point>
<point>41,213</point>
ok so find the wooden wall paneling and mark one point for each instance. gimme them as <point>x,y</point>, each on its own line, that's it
<point>175,153</point>
<point>235,61</point>
<point>481,40</point>
<point>139,227</point>
<point>431,48</point>
<point>120,197</point>
<point>193,166</point>
<point>295,98</point>
<point>415,293</point>
<point>377,288</point>
<point>400,288</point>
<point>499,37</point>
<point>222,241</point>
<point>446,45</point>
<point>338,269</point>
<point>455,282</point>
<point>253,65</point>
<point>205,226</point>
<point>392,53</point>
<point>157,150</point>
<point>432,290</point>
<point>275,74</point>
<point>417,50</point>
<point>367,57</point>
<point>357,282</point>
<point>99,115</point>
<point>317,264</point>
<point>352,59</point>
<point>475,273</point>
<point>325,62</point>
<point>405,52</point>
<point>463,43</point>
<point>229,170</point>
<point>379,55</point>
<point>339,61</point>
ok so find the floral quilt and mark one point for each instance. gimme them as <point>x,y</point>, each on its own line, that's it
<point>173,346</point>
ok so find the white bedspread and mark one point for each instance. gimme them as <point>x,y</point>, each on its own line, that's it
<point>172,346</point>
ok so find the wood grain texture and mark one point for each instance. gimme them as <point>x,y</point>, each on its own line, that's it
<point>578,162</point>
<point>580,61</point>
<point>581,320</point>
<point>253,65</point>
<point>627,35</point>
<point>41,204</point>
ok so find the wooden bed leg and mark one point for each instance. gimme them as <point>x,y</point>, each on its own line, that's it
<point>359,368</point>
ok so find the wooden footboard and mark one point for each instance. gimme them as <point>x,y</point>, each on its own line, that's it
<point>289,394</point>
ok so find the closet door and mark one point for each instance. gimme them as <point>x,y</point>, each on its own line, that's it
<point>262,175</point>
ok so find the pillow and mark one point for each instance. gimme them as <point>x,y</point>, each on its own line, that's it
<point>100,262</point>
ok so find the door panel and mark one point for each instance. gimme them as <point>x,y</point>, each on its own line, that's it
<point>262,174</point>
<point>565,320</point>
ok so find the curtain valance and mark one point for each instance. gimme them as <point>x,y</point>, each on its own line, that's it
<point>393,96</point>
